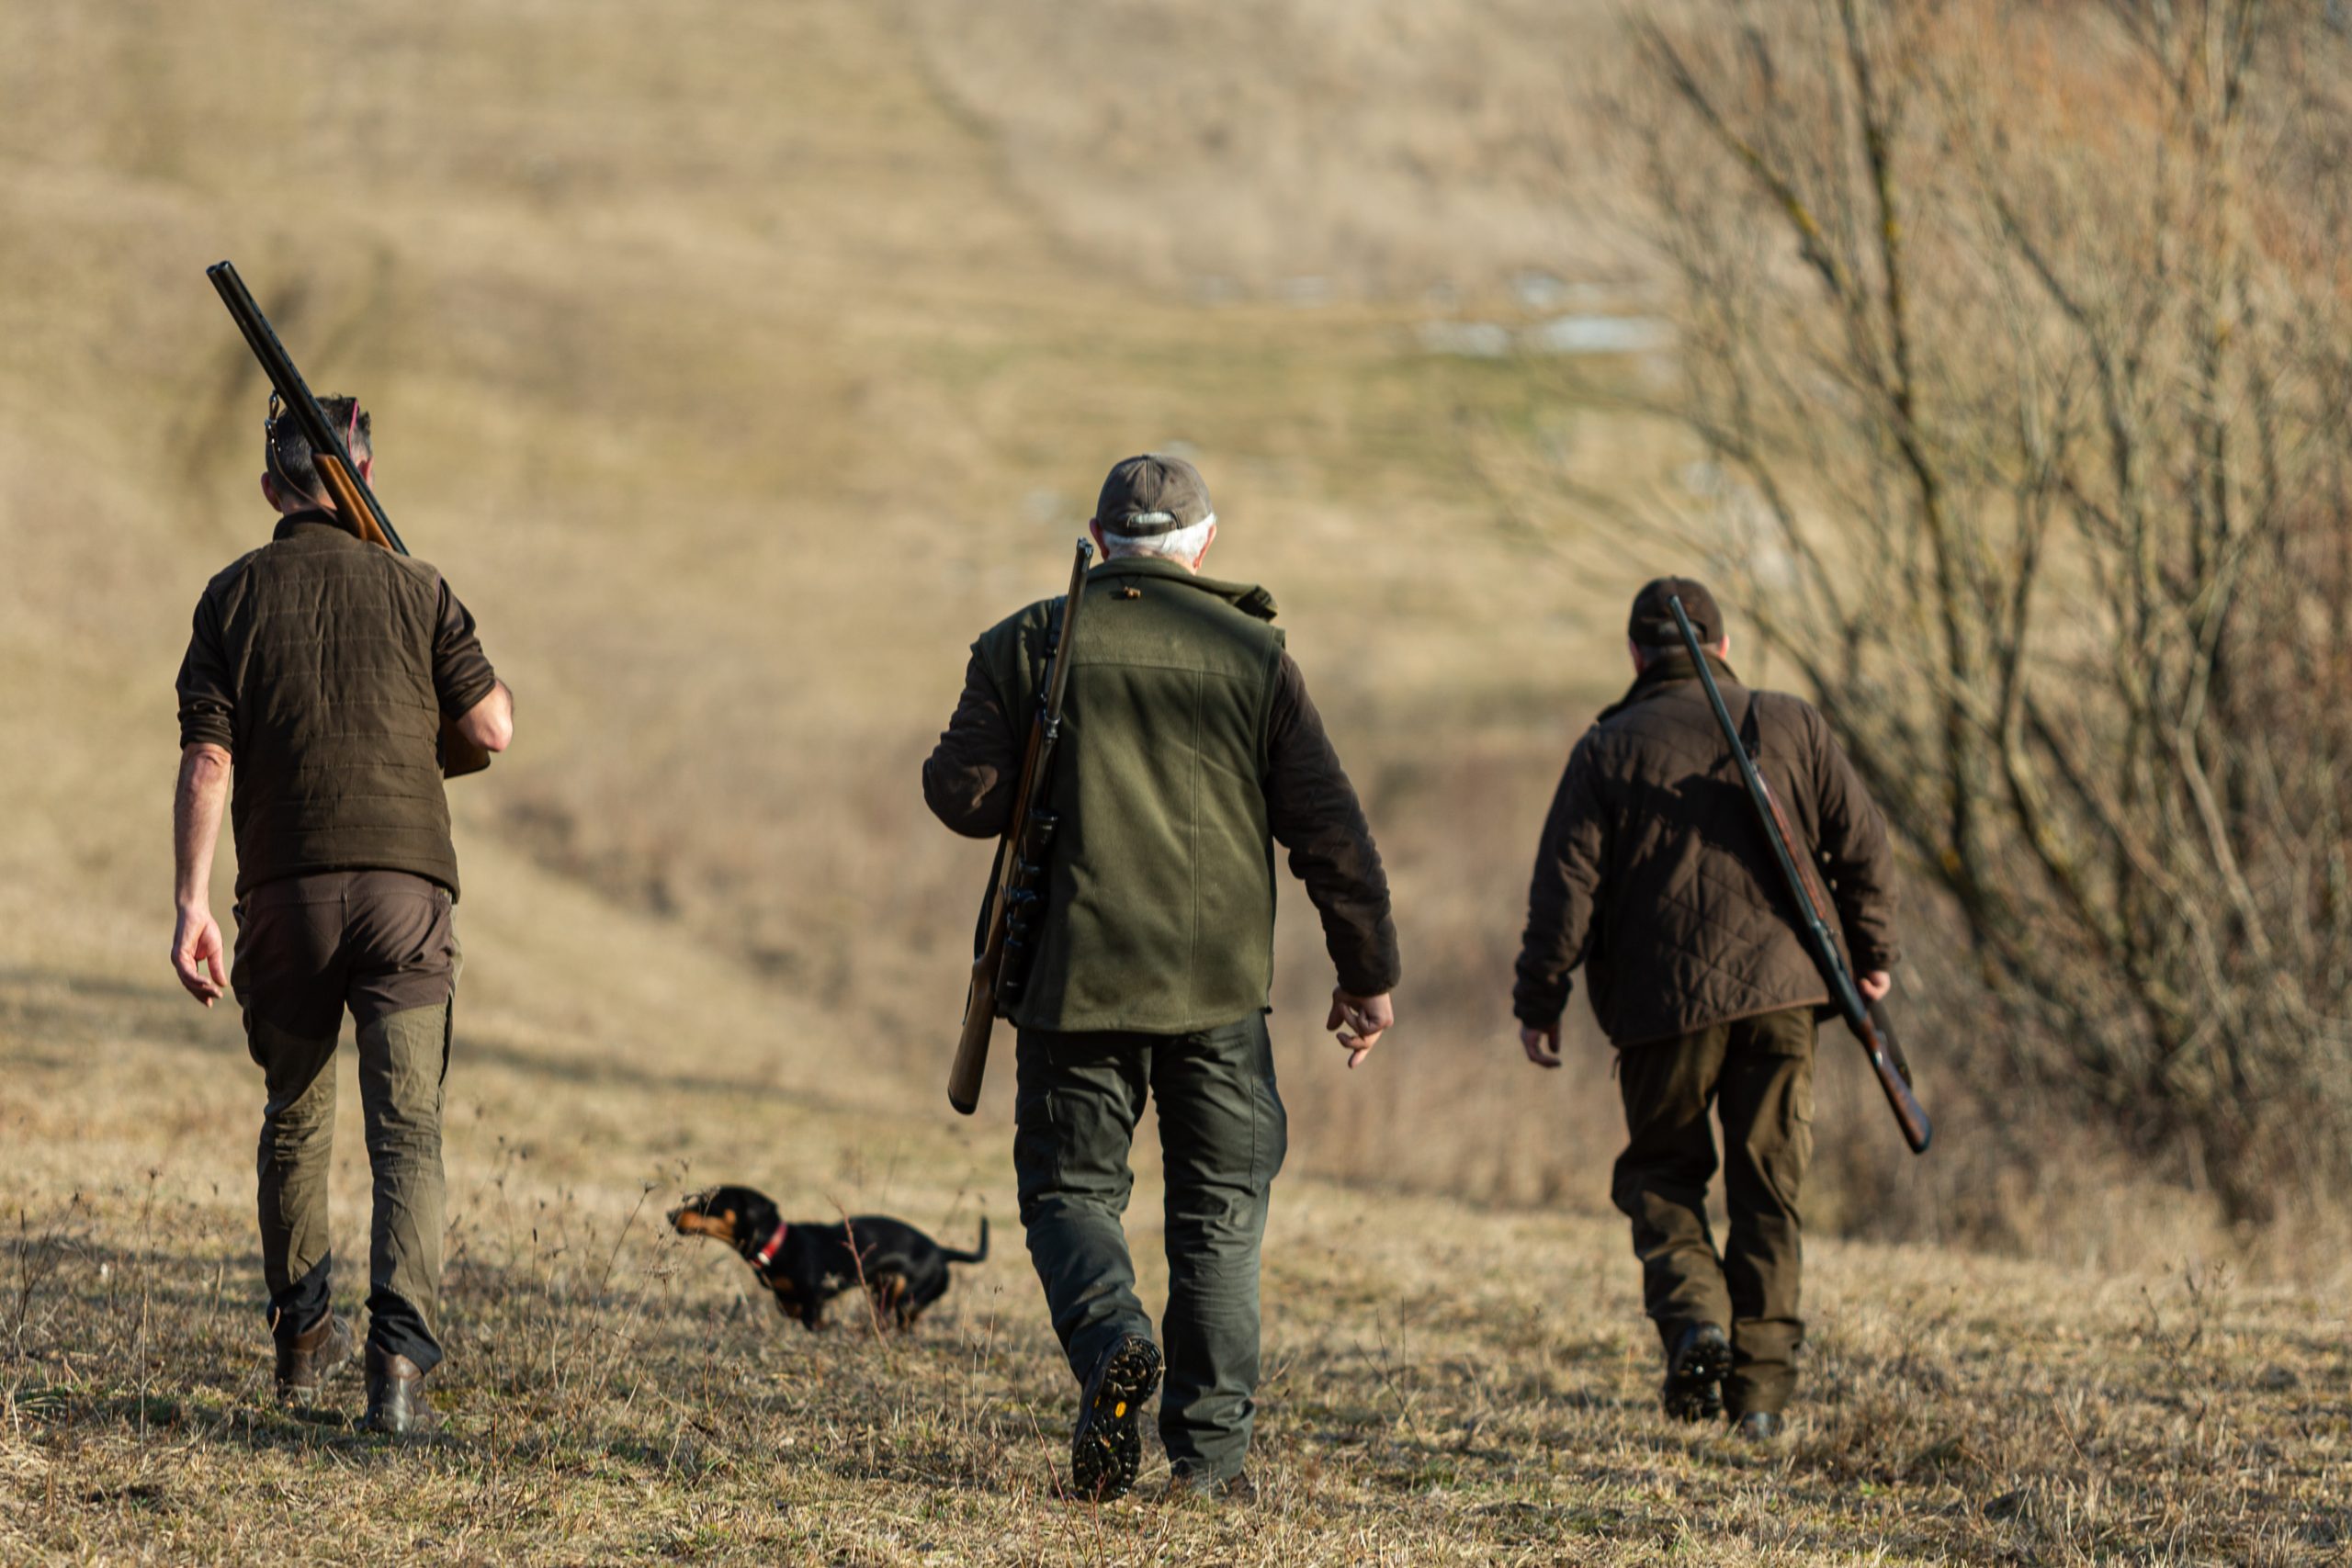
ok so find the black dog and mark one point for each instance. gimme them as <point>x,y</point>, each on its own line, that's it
<point>807,1265</point>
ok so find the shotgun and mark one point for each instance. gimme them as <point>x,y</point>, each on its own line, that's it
<point>353,498</point>
<point>1016,887</point>
<point>1868,1022</point>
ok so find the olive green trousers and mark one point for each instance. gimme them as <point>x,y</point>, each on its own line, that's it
<point>1222,1135</point>
<point>381,945</point>
<point>1757,1076</point>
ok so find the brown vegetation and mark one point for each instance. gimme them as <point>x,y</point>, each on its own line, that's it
<point>2018,332</point>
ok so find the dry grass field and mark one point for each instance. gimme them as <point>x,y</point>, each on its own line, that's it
<point>1446,1386</point>
<point>737,364</point>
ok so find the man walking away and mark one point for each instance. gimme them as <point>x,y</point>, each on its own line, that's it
<point>1190,749</point>
<point>1654,874</point>
<point>318,675</point>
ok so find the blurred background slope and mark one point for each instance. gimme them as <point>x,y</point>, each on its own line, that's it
<point>738,365</point>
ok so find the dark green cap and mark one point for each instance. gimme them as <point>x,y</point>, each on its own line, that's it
<point>1147,496</point>
<point>1651,622</point>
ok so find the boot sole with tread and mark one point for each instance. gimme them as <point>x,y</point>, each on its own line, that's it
<point>1106,1449</point>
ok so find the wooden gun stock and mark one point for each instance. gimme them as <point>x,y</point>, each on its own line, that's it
<point>979,1023</point>
<point>1870,1022</point>
<point>971,1064</point>
<point>1886,1061</point>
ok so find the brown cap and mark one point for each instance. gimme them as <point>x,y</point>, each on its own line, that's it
<point>1152,495</point>
<point>1651,622</point>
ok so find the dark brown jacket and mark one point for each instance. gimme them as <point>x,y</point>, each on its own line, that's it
<point>323,665</point>
<point>1655,875</point>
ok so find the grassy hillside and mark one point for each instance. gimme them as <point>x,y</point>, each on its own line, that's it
<point>736,396</point>
<point>738,365</point>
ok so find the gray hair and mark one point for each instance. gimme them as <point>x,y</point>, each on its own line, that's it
<point>1178,544</point>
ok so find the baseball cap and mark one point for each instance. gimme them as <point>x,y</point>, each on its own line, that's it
<point>1652,622</point>
<point>1149,495</point>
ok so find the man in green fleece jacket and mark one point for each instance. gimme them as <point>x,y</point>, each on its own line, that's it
<point>1189,750</point>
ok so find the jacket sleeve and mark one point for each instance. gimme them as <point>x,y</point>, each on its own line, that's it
<point>1856,854</point>
<point>971,775</point>
<point>1563,898</point>
<point>1314,813</point>
<point>461,671</point>
<point>208,691</point>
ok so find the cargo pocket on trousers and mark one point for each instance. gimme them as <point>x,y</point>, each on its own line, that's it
<point>457,967</point>
<point>1038,1133</point>
<point>241,975</point>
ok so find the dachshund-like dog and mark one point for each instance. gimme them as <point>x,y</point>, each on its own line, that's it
<point>806,1265</point>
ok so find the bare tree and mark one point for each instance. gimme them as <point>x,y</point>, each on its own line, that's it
<point>2019,335</point>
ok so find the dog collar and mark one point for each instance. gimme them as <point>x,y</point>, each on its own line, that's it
<point>766,1254</point>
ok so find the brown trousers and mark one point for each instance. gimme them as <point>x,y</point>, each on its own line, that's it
<point>382,944</point>
<point>1757,1073</point>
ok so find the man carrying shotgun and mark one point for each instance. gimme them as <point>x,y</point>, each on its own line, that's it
<point>320,673</point>
<point>1188,748</point>
<point>1655,874</point>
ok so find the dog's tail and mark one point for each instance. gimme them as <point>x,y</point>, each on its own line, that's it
<point>977,1255</point>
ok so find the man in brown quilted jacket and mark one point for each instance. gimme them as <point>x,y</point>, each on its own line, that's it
<point>1655,877</point>
<point>318,672</point>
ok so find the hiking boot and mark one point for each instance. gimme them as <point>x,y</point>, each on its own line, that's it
<point>1694,1373</point>
<point>1760,1426</point>
<point>1106,1447</point>
<point>1188,1485</point>
<point>396,1402</point>
<point>307,1360</point>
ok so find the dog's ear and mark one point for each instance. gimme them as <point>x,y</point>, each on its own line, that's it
<point>755,1221</point>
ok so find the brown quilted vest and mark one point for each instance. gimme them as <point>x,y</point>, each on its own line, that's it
<point>330,640</point>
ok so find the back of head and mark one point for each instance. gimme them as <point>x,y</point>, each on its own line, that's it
<point>285,451</point>
<point>1154,505</point>
<point>1651,622</point>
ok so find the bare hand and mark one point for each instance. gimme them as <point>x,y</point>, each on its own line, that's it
<point>1875,985</point>
<point>197,955</point>
<point>1542,1045</point>
<point>1360,1022</point>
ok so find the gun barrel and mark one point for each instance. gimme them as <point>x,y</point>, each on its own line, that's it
<point>353,498</point>
<point>292,391</point>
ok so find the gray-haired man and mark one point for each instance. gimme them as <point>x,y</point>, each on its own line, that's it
<point>1190,749</point>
